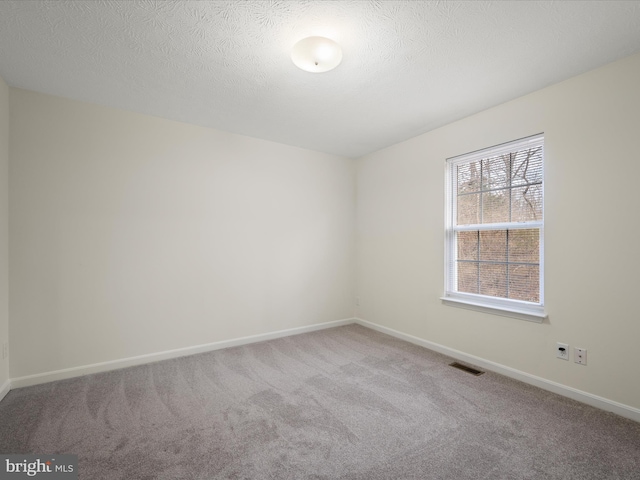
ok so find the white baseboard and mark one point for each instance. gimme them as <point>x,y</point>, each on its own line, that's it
<point>155,357</point>
<point>573,393</point>
<point>4,389</point>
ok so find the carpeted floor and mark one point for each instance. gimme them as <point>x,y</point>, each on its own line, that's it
<point>343,403</point>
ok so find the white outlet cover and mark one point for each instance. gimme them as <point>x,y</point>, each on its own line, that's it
<point>563,354</point>
<point>580,355</point>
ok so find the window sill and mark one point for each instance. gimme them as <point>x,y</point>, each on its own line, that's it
<point>530,313</point>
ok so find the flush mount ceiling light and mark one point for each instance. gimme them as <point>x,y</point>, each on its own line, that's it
<point>316,54</point>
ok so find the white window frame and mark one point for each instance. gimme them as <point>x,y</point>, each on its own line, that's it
<point>530,311</point>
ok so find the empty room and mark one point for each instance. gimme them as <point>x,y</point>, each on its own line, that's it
<point>319,239</point>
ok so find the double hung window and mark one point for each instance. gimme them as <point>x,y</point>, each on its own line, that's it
<point>494,229</point>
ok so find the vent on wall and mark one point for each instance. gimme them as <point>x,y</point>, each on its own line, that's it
<point>464,368</point>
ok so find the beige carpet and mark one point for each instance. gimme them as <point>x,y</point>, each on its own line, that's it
<point>343,403</point>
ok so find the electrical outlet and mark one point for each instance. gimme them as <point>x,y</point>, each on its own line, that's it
<point>562,351</point>
<point>580,355</point>
<point>5,350</point>
<point>357,301</point>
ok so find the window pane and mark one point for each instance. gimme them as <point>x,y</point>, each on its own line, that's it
<point>524,246</point>
<point>468,177</point>
<point>495,172</point>
<point>495,206</point>
<point>468,277</point>
<point>493,245</point>
<point>524,283</point>
<point>527,166</point>
<point>469,209</point>
<point>526,203</point>
<point>468,245</point>
<point>493,280</point>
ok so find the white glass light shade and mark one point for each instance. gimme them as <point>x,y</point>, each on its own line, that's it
<point>316,54</point>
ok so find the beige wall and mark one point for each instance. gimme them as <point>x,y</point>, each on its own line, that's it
<point>591,125</point>
<point>133,235</point>
<point>4,230</point>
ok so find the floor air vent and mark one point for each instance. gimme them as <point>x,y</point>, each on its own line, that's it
<point>470,370</point>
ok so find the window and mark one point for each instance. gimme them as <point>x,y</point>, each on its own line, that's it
<point>494,229</point>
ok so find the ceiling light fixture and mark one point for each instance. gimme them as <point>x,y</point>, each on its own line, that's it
<point>316,54</point>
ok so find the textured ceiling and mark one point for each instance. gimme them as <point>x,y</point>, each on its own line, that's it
<point>408,67</point>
